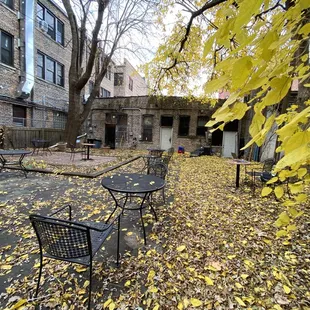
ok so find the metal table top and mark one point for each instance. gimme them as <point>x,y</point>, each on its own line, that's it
<point>133,183</point>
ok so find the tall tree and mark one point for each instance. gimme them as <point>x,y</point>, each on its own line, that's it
<point>248,47</point>
<point>104,23</point>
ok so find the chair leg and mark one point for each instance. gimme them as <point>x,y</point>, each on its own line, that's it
<point>40,273</point>
<point>118,236</point>
<point>144,234</point>
<point>152,208</point>
<point>90,282</point>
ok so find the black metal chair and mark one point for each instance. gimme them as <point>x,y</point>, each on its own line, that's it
<point>71,241</point>
<point>160,170</point>
<point>266,171</point>
<point>74,149</point>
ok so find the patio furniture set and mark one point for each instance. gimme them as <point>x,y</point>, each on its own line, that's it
<point>78,242</point>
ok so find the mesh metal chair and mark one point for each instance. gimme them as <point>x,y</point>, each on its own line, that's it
<point>75,242</point>
<point>74,149</point>
<point>267,168</point>
<point>160,170</point>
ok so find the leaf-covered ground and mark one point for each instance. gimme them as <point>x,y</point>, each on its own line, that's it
<point>212,248</point>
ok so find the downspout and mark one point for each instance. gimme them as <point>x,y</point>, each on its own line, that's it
<point>27,60</point>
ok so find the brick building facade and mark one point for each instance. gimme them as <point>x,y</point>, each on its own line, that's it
<point>35,40</point>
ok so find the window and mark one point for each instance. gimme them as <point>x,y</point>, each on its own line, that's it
<point>19,116</point>
<point>118,79</point>
<point>147,128</point>
<point>183,126</point>
<point>166,121</point>
<point>50,70</point>
<point>105,93</point>
<point>60,75</point>
<point>59,120</point>
<point>8,3</point>
<point>55,27</point>
<point>40,66</point>
<point>130,83</point>
<point>201,129</point>
<point>6,42</point>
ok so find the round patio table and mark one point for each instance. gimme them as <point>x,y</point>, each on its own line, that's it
<point>133,185</point>
<point>239,162</point>
<point>18,162</point>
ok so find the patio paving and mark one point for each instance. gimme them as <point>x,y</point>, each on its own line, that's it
<point>41,193</point>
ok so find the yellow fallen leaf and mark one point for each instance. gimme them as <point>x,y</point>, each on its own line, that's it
<point>180,305</point>
<point>80,269</point>
<point>19,304</point>
<point>286,289</point>
<point>153,289</point>
<point>244,276</point>
<point>156,307</point>
<point>86,283</point>
<point>196,302</point>
<point>181,248</point>
<point>112,306</point>
<point>107,303</point>
<point>208,280</point>
<point>240,302</point>
<point>127,283</point>
<point>6,267</point>
<point>151,275</point>
<point>238,285</point>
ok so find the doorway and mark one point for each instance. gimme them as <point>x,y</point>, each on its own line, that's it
<point>166,130</point>
<point>110,135</point>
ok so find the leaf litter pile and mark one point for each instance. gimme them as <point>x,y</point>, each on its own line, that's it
<point>212,248</point>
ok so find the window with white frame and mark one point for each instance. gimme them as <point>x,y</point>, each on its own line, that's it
<point>6,43</point>
<point>55,27</point>
<point>49,69</point>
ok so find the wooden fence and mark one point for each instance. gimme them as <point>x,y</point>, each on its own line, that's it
<point>21,137</point>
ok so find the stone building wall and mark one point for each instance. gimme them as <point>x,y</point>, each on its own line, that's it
<point>136,107</point>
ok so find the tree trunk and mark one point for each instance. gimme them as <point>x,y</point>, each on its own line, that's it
<point>74,120</point>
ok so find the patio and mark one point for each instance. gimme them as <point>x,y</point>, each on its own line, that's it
<point>213,247</point>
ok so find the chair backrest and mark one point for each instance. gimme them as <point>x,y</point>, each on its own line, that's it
<point>234,156</point>
<point>158,169</point>
<point>170,151</point>
<point>268,165</point>
<point>60,238</point>
<point>164,159</point>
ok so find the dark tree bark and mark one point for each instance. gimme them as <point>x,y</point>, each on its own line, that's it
<point>133,17</point>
